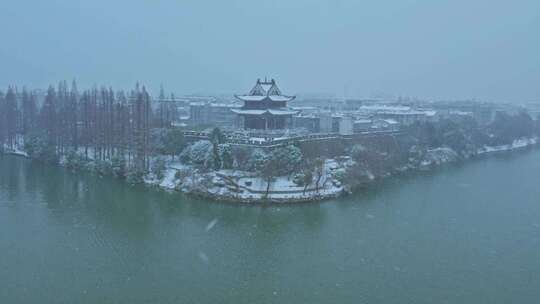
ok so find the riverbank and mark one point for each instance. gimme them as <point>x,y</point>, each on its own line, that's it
<point>333,187</point>
<point>249,188</point>
<point>516,145</point>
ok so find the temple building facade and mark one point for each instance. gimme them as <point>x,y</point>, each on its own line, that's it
<point>265,108</point>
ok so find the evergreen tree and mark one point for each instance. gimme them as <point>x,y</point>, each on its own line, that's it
<point>11,117</point>
<point>226,157</point>
<point>174,142</point>
<point>3,125</point>
<point>29,112</point>
<point>216,136</point>
<point>48,119</point>
<point>73,116</point>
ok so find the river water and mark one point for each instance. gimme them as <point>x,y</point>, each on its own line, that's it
<point>461,234</point>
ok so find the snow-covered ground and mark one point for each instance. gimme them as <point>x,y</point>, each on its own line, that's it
<point>517,144</point>
<point>241,186</point>
<point>168,181</point>
<point>17,149</point>
<point>438,156</point>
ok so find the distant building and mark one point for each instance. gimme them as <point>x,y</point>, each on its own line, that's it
<point>327,103</point>
<point>346,125</point>
<point>405,115</point>
<point>313,123</point>
<point>306,110</point>
<point>265,108</point>
<point>310,123</point>
<point>362,125</point>
<point>356,103</point>
<point>325,123</point>
<point>216,114</point>
<point>385,125</point>
<point>367,125</point>
<point>336,118</point>
<point>482,112</point>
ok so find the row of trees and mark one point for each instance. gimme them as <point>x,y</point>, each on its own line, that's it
<point>99,124</point>
<point>464,136</point>
<point>16,118</point>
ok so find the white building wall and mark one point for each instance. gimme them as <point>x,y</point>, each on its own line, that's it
<point>346,125</point>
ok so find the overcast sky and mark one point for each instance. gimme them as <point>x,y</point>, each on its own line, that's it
<point>455,49</point>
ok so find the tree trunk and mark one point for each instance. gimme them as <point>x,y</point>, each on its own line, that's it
<point>319,176</point>
<point>267,187</point>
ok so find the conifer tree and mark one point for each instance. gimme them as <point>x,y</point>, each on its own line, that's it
<point>11,117</point>
<point>48,119</point>
<point>29,112</point>
<point>2,120</point>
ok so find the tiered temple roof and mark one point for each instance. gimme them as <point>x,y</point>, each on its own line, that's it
<point>265,90</point>
<point>265,107</point>
<point>267,111</point>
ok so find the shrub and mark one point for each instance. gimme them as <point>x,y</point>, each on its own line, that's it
<point>74,161</point>
<point>134,176</point>
<point>241,157</point>
<point>288,159</point>
<point>225,154</point>
<point>182,174</point>
<point>257,160</point>
<point>39,149</point>
<point>118,167</point>
<point>340,175</point>
<point>159,167</point>
<point>103,168</point>
<point>199,153</point>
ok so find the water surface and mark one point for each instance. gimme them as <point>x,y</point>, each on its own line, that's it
<point>461,234</point>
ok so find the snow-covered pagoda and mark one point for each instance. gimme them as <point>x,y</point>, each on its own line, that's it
<point>265,108</point>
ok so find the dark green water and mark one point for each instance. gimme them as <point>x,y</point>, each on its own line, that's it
<point>463,234</point>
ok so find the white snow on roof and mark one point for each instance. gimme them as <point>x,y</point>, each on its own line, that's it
<point>391,121</point>
<point>198,103</point>
<point>260,112</point>
<point>226,105</point>
<point>249,112</point>
<point>461,113</point>
<point>265,89</point>
<point>396,110</point>
<point>385,108</point>
<point>281,98</point>
<point>305,108</point>
<point>251,97</point>
<point>261,98</point>
<point>201,103</point>
<point>282,112</point>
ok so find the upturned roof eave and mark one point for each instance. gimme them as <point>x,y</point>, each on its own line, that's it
<point>263,98</point>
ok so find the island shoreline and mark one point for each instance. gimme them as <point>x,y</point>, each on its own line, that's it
<point>487,151</point>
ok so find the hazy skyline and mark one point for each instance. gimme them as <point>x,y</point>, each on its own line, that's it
<point>489,50</point>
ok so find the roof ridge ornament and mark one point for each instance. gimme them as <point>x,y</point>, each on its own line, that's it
<point>266,89</point>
